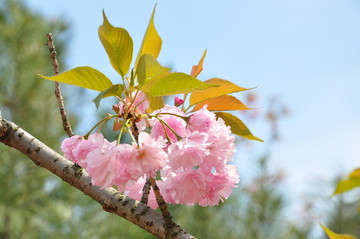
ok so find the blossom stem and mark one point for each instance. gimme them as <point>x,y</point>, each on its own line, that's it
<point>166,113</point>
<point>132,99</point>
<point>101,122</point>
<point>131,135</point>
<point>188,108</point>
<point>171,129</point>
<point>120,134</point>
<point>183,106</point>
<point>146,191</point>
<point>132,102</point>
<point>141,102</point>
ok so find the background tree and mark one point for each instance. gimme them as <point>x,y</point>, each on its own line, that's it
<point>33,202</point>
<point>343,216</point>
<point>25,99</point>
<point>341,213</point>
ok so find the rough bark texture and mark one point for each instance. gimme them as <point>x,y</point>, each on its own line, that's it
<point>110,199</point>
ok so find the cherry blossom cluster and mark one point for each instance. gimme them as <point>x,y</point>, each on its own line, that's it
<point>188,154</point>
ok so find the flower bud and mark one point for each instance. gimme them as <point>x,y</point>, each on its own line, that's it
<point>178,101</point>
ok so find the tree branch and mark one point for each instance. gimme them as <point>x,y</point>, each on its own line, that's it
<point>58,94</point>
<point>110,199</point>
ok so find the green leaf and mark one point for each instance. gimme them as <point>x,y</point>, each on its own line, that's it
<point>85,77</point>
<point>114,90</point>
<point>148,68</point>
<point>352,181</point>
<point>225,87</point>
<point>174,83</point>
<point>237,126</point>
<point>333,235</point>
<point>118,46</point>
<point>222,103</point>
<point>152,42</point>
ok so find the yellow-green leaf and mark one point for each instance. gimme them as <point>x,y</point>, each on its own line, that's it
<point>225,87</point>
<point>333,235</point>
<point>118,46</point>
<point>114,90</point>
<point>148,68</point>
<point>222,103</point>
<point>355,173</point>
<point>151,43</point>
<point>85,77</point>
<point>156,102</point>
<point>196,69</point>
<point>174,83</point>
<point>352,181</point>
<point>237,126</point>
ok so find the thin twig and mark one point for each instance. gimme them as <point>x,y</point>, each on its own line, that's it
<point>146,192</point>
<point>59,97</point>
<point>169,223</point>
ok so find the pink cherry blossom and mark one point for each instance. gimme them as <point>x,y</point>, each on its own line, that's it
<point>85,146</point>
<point>201,120</point>
<point>188,152</point>
<point>149,156</point>
<point>193,168</point>
<point>221,146</point>
<point>220,186</point>
<point>173,121</point>
<point>151,151</point>
<point>68,145</point>
<point>221,140</point>
<point>125,154</point>
<point>197,186</point>
<point>186,187</point>
<point>103,165</point>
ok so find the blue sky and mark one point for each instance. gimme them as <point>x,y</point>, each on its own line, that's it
<point>305,51</point>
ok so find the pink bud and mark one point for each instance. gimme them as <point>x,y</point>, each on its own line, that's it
<point>178,101</point>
